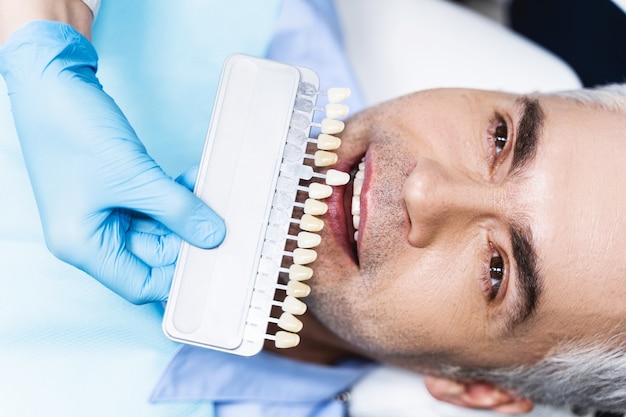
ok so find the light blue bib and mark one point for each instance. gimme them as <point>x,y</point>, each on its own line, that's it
<point>68,346</point>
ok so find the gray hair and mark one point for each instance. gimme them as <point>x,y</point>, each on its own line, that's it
<point>574,374</point>
<point>581,377</point>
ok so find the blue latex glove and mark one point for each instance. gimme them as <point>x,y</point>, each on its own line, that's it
<point>105,205</point>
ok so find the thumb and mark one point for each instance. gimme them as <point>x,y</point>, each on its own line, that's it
<point>178,209</point>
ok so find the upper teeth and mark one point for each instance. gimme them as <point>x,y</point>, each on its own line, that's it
<point>356,197</point>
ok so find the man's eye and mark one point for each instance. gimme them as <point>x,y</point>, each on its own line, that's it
<point>496,275</point>
<point>501,136</point>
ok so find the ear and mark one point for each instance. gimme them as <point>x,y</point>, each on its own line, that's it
<point>476,394</point>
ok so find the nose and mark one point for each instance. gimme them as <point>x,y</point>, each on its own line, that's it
<point>443,200</point>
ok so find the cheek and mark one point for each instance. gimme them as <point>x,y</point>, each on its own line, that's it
<point>425,301</point>
<point>437,286</point>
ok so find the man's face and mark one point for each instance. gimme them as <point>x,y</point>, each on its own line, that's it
<point>492,226</point>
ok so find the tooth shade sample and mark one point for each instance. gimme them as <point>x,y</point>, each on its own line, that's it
<point>325,158</point>
<point>304,256</point>
<point>298,289</point>
<point>336,94</point>
<point>300,272</point>
<point>289,322</point>
<point>314,207</point>
<point>319,191</point>
<point>332,126</point>
<point>336,111</point>
<point>310,223</point>
<point>334,177</point>
<point>355,221</point>
<point>308,240</point>
<point>294,306</point>
<point>328,142</point>
<point>286,340</point>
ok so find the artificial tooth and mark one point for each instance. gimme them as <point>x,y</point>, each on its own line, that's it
<point>308,240</point>
<point>328,142</point>
<point>325,158</point>
<point>311,223</point>
<point>337,94</point>
<point>336,111</point>
<point>332,126</point>
<point>294,306</point>
<point>300,272</point>
<point>361,166</point>
<point>356,235</point>
<point>356,205</point>
<point>334,177</point>
<point>314,207</point>
<point>359,174</point>
<point>355,221</point>
<point>298,289</point>
<point>357,186</point>
<point>286,340</point>
<point>289,322</point>
<point>304,256</point>
<point>319,191</point>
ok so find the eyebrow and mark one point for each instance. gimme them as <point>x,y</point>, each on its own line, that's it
<point>529,280</point>
<point>527,134</point>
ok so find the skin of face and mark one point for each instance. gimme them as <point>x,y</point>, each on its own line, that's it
<point>439,203</point>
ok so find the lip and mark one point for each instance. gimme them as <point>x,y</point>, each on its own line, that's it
<point>339,217</point>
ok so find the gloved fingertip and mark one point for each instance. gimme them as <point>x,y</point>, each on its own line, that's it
<point>188,178</point>
<point>191,219</point>
<point>216,232</point>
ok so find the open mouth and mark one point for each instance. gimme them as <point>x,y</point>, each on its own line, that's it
<point>352,205</point>
<point>347,212</point>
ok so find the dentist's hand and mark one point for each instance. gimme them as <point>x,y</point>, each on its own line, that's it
<point>105,205</point>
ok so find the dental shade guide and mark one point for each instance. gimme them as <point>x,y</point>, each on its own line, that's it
<point>254,165</point>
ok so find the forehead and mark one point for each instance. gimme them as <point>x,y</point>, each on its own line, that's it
<point>577,205</point>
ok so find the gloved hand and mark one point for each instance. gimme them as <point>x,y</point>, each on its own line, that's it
<point>105,205</point>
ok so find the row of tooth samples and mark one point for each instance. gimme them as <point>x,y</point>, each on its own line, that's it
<point>293,170</point>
